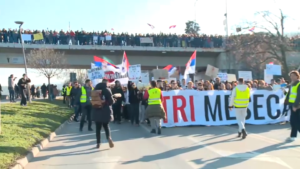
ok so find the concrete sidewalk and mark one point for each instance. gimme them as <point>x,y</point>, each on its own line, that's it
<point>176,148</point>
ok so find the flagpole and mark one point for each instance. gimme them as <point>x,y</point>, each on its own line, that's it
<point>195,64</point>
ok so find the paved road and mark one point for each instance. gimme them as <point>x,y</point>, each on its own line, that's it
<point>176,148</point>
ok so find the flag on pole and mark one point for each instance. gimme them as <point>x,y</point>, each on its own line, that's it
<point>252,29</point>
<point>152,27</point>
<point>106,66</point>
<point>171,69</point>
<point>125,64</point>
<point>172,26</point>
<point>190,66</point>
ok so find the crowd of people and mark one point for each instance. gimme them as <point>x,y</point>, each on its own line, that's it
<point>106,38</point>
<point>19,90</point>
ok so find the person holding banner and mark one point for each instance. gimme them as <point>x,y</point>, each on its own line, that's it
<point>293,100</point>
<point>155,111</point>
<point>239,99</point>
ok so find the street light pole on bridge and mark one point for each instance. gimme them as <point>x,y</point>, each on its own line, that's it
<point>20,23</point>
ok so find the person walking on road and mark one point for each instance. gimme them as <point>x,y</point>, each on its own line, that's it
<point>134,105</point>
<point>68,92</point>
<point>84,98</point>
<point>63,93</point>
<point>293,100</point>
<point>11,88</point>
<point>102,116</point>
<point>239,99</point>
<point>73,94</point>
<point>118,104</point>
<point>155,110</point>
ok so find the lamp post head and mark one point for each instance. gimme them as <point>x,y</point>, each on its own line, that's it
<point>19,22</point>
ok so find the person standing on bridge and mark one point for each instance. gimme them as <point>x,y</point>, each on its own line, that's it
<point>293,100</point>
<point>239,99</point>
<point>155,111</point>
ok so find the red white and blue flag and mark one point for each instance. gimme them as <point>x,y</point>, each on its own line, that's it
<point>190,66</point>
<point>171,69</point>
<point>252,29</point>
<point>152,27</point>
<point>106,66</point>
<point>172,26</point>
<point>124,65</point>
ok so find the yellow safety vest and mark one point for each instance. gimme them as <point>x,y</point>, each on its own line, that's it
<point>63,91</point>
<point>293,93</point>
<point>242,98</point>
<point>69,90</point>
<point>83,96</point>
<point>154,96</point>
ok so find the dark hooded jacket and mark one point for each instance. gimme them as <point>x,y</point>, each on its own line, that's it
<point>104,114</point>
<point>119,90</point>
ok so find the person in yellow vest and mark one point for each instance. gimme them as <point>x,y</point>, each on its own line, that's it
<point>239,99</point>
<point>63,93</point>
<point>84,99</point>
<point>293,101</point>
<point>68,92</point>
<point>155,110</point>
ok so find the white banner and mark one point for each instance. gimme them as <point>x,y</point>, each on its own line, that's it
<point>96,73</point>
<point>134,72</point>
<point>190,107</point>
<point>146,40</point>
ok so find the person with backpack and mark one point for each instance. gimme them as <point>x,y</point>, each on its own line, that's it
<point>84,99</point>
<point>102,113</point>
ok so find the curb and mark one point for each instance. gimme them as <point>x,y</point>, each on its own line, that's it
<point>21,163</point>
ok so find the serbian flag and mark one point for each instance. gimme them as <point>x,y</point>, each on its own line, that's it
<point>152,27</point>
<point>171,69</point>
<point>172,26</point>
<point>252,29</point>
<point>190,66</point>
<point>106,66</point>
<point>125,64</point>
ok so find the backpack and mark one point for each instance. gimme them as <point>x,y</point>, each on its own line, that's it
<point>96,96</point>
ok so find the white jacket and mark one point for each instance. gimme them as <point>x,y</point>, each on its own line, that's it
<point>242,87</point>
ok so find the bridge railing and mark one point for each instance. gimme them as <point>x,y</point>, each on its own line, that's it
<point>111,48</point>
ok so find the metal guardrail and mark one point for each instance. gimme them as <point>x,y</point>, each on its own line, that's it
<point>112,48</point>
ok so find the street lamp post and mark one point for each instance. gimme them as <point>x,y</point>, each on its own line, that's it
<point>20,23</point>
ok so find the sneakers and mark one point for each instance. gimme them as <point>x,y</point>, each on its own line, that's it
<point>239,134</point>
<point>244,134</point>
<point>111,143</point>
<point>90,129</point>
<point>98,146</point>
<point>159,131</point>
<point>291,139</point>
<point>153,131</point>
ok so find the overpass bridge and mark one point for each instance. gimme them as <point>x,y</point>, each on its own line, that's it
<point>81,56</point>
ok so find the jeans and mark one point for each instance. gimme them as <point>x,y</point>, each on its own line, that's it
<point>295,122</point>
<point>11,94</point>
<point>76,111</point>
<point>23,97</point>
<point>98,131</point>
<point>142,113</point>
<point>134,116</point>
<point>117,112</point>
<point>87,110</point>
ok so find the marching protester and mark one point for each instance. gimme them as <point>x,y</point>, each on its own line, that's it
<point>38,92</point>
<point>200,87</point>
<point>84,98</point>
<point>134,105</point>
<point>155,111</point>
<point>143,105</point>
<point>117,106</point>
<point>69,99</point>
<point>44,90</point>
<point>32,91</point>
<point>190,86</point>
<point>63,93</point>
<point>293,100</point>
<point>11,88</point>
<point>102,116</point>
<point>73,94</point>
<point>23,82</point>
<point>239,99</point>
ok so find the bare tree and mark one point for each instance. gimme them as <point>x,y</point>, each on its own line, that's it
<point>192,28</point>
<point>47,62</point>
<point>257,49</point>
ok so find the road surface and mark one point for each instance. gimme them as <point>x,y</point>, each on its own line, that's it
<point>177,148</point>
